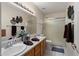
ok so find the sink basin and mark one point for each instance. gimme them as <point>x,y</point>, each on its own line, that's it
<point>14,50</point>
<point>28,43</point>
<point>35,39</point>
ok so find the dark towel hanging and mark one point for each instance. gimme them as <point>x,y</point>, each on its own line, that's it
<point>69,33</point>
<point>13,31</point>
<point>65,32</point>
<point>70,12</point>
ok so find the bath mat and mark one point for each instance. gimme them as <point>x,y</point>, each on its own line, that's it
<point>58,49</point>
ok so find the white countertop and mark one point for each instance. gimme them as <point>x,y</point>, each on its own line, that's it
<point>21,49</point>
<point>28,48</point>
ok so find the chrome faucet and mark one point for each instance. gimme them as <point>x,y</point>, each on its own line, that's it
<point>10,43</point>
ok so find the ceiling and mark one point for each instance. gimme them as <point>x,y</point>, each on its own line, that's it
<point>51,7</point>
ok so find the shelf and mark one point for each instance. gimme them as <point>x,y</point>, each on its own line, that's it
<point>16,25</point>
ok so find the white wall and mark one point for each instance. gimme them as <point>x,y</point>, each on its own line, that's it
<point>56,15</point>
<point>76,25</point>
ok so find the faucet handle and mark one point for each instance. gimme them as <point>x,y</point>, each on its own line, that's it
<point>10,38</point>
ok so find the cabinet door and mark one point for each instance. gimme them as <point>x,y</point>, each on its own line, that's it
<point>43,44</point>
<point>38,50</point>
<point>30,53</point>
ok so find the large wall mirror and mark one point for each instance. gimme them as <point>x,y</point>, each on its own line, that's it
<point>29,21</point>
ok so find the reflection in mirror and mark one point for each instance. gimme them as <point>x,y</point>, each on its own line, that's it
<point>13,30</point>
<point>31,26</point>
<point>3,32</point>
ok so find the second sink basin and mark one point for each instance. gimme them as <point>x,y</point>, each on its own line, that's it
<point>28,43</point>
<point>35,39</point>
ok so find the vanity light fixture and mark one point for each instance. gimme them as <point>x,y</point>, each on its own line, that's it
<point>24,7</point>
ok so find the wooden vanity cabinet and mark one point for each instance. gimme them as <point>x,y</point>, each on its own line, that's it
<point>43,45</point>
<point>38,50</point>
<point>30,53</point>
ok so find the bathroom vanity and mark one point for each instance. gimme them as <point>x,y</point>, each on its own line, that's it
<point>12,28</point>
<point>20,49</point>
<point>37,50</point>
